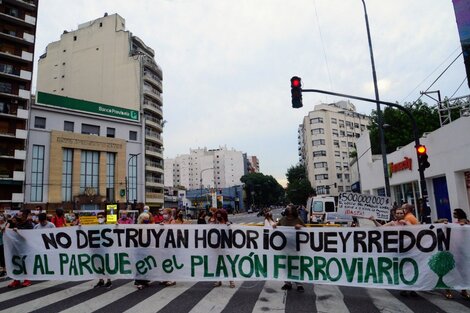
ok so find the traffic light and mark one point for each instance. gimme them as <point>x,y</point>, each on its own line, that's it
<point>296,91</point>
<point>423,162</point>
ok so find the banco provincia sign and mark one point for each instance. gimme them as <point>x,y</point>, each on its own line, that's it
<point>44,98</point>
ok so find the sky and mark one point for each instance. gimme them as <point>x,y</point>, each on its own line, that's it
<point>227,64</point>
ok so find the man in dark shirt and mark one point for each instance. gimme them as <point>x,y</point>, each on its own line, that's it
<point>291,218</point>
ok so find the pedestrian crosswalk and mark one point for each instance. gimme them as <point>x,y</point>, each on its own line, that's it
<point>202,297</point>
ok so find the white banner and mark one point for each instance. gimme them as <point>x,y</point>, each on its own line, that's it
<point>365,206</point>
<point>420,257</point>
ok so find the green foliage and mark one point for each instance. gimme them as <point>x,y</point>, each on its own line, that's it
<point>441,263</point>
<point>262,190</point>
<point>298,186</point>
<point>399,131</point>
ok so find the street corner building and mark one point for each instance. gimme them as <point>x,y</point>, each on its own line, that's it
<point>96,122</point>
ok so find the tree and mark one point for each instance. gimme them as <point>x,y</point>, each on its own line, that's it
<point>441,263</point>
<point>398,130</point>
<point>262,190</point>
<point>298,186</point>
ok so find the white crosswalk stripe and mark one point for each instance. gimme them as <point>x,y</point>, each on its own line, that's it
<point>329,299</point>
<point>160,299</point>
<point>386,303</point>
<point>266,296</point>
<point>271,298</point>
<point>101,301</point>
<point>51,298</point>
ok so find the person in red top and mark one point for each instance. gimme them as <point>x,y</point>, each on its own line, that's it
<point>158,217</point>
<point>59,219</point>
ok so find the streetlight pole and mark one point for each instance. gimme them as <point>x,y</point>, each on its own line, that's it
<point>379,111</point>
<point>127,177</point>
<point>200,180</point>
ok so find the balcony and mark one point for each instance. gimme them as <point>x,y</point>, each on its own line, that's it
<point>153,79</point>
<point>154,122</point>
<point>153,107</point>
<point>21,75</point>
<point>154,182</point>
<point>153,136</point>
<point>154,197</point>
<point>154,151</point>
<point>13,111</point>
<point>154,167</point>
<point>150,63</point>
<point>27,20</point>
<point>12,175</point>
<point>24,57</point>
<point>152,93</point>
<point>10,153</point>
<point>27,39</point>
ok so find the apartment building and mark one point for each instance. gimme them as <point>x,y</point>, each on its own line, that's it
<point>327,139</point>
<point>213,168</point>
<point>17,38</point>
<point>97,121</point>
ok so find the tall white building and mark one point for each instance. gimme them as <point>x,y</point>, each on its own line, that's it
<point>100,88</point>
<point>216,168</point>
<point>327,138</point>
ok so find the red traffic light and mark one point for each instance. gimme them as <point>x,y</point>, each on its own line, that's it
<point>295,82</point>
<point>421,149</point>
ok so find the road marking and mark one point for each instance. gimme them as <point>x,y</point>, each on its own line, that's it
<point>100,301</point>
<point>18,292</point>
<point>159,300</point>
<point>386,302</point>
<point>329,299</point>
<point>271,298</point>
<point>216,300</point>
<point>447,305</point>
<point>51,298</point>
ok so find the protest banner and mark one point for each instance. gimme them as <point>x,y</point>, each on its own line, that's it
<point>365,206</point>
<point>421,257</point>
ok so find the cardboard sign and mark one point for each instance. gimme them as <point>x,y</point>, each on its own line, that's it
<point>365,206</point>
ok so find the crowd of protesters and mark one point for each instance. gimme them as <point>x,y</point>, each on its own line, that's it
<point>293,216</point>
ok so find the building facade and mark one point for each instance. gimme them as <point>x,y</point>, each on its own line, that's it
<point>99,99</point>
<point>203,168</point>
<point>17,38</point>
<point>447,179</point>
<point>253,164</point>
<point>326,139</point>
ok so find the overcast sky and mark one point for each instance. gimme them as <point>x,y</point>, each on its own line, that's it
<point>227,64</point>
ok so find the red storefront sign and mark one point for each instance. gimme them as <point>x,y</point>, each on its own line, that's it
<point>400,166</point>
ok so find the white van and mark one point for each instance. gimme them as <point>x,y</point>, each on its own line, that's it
<point>318,206</point>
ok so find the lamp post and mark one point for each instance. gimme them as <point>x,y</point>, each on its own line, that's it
<point>379,111</point>
<point>127,177</point>
<point>200,180</point>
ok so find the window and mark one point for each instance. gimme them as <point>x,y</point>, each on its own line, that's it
<point>68,126</point>
<point>132,178</point>
<point>335,132</point>
<point>132,135</point>
<point>89,170</point>
<point>6,68</point>
<point>340,189</point>
<point>320,164</point>
<point>67,166</point>
<point>316,120</point>
<point>342,133</point>
<point>321,176</point>
<point>318,142</point>
<point>338,166</point>
<point>37,173</point>
<point>337,154</point>
<point>5,87</point>
<point>317,131</point>
<point>333,120</point>
<point>336,143</point>
<point>40,122</point>
<point>319,153</point>
<point>110,132</point>
<point>110,169</point>
<point>88,129</point>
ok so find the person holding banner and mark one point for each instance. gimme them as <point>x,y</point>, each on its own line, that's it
<point>101,283</point>
<point>291,218</point>
<point>143,218</point>
<point>409,216</point>
<point>59,219</point>
<point>221,217</point>
<point>398,221</point>
<point>21,221</point>
<point>3,225</point>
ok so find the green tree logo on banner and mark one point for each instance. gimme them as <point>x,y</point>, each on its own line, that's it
<point>441,263</point>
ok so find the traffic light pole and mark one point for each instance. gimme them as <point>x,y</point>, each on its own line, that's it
<point>422,182</point>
